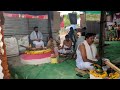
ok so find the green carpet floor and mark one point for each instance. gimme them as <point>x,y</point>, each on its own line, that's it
<point>64,70</point>
<point>113,50</point>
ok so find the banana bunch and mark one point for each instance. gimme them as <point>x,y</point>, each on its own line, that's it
<point>38,52</point>
<point>102,75</point>
<point>114,75</point>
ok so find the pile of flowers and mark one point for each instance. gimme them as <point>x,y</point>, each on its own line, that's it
<point>99,73</point>
<point>114,75</point>
<point>38,52</point>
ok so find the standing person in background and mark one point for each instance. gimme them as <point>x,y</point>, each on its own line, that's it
<point>72,36</point>
<point>80,39</point>
<point>115,29</point>
<point>115,24</point>
<point>36,38</point>
<point>118,31</point>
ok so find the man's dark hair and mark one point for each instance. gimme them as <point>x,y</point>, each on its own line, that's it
<point>71,28</point>
<point>82,33</point>
<point>115,22</point>
<point>89,35</point>
<point>50,37</point>
<point>84,28</point>
<point>35,27</point>
<point>67,36</point>
<point>75,29</point>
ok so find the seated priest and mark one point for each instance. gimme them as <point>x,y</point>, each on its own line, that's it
<point>87,53</point>
<point>66,47</point>
<point>36,37</point>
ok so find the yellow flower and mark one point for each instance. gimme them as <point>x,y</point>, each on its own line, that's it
<point>114,75</point>
<point>94,73</point>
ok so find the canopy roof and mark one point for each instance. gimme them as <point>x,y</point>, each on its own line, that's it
<point>99,12</point>
<point>93,12</point>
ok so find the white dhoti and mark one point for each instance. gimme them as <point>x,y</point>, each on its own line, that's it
<point>37,35</point>
<point>38,44</point>
<point>91,52</point>
<point>85,66</point>
<point>64,51</point>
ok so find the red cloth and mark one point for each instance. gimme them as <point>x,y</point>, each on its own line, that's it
<point>11,15</point>
<point>28,16</point>
<point>43,17</point>
<point>62,24</point>
<point>38,56</point>
<point>25,16</point>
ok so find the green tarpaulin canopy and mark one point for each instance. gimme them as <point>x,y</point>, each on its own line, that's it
<point>92,12</point>
<point>99,12</point>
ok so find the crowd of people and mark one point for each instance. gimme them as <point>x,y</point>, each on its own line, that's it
<point>114,31</point>
<point>83,45</point>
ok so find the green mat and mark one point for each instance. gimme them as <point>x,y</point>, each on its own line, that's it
<point>113,50</point>
<point>64,70</point>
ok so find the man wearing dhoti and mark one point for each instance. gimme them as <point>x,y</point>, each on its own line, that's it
<point>67,46</point>
<point>37,37</point>
<point>86,53</point>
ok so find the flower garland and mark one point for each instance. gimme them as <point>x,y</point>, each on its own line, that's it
<point>5,70</point>
<point>38,52</point>
<point>102,75</point>
<point>114,75</point>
